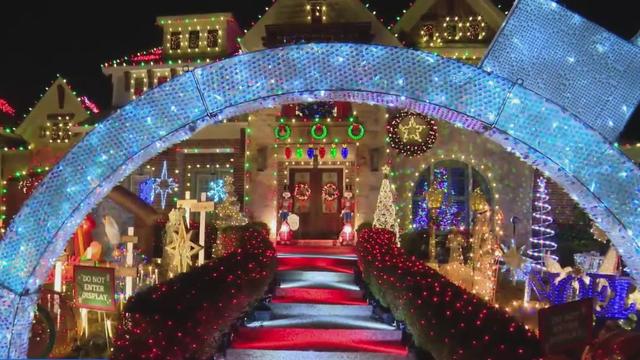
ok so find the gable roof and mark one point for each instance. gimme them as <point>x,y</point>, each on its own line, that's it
<point>295,11</point>
<point>59,98</point>
<point>492,16</point>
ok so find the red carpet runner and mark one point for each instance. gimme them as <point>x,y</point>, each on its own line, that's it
<point>318,313</point>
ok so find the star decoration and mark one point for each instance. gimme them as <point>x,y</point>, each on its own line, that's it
<point>513,257</point>
<point>164,185</point>
<point>411,131</point>
<point>182,249</point>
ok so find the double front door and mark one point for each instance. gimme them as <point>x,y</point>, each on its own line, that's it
<point>319,216</point>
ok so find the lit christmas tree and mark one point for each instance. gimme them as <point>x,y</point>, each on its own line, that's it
<point>541,243</point>
<point>385,215</point>
<point>228,210</point>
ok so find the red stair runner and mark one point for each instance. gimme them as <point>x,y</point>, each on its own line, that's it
<point>316,264</point>
<point>319,296</point>
<point>352,340</point>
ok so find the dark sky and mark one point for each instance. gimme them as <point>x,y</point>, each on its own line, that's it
<point>72,38</point>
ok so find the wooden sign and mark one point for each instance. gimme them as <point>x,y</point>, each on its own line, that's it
<point>129,239</point>
<point>94,287</point>
<point>202,206</point>
<point>127,271</point>
<point>566,327</point>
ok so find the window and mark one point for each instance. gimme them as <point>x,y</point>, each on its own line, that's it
<point>457,180</point>
<point>138,86</point>
<point>212,38</point>
<point>162,80</point>
<point>428,32</point>
<point>316,9</point>
<point>194,39</point>
<point>174,40</point>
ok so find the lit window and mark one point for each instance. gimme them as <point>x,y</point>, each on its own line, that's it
<point>456,179</point>
<point>316,9</point>
<point>194,39</point>
<point>212,38</point>
<point>138,87</point>
<point>174,40</point>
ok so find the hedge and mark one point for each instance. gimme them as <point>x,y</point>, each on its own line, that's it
<point>443,319</point>
<point>187,316</point>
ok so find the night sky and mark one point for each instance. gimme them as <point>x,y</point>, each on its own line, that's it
<point>72,38</point>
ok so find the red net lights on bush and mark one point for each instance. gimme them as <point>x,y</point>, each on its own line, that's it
<point>185,317</point>
<point>444,319</point>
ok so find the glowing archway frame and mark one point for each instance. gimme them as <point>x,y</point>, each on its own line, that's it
<point>602,180</point>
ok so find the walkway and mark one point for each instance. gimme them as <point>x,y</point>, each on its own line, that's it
<point>318,313</point>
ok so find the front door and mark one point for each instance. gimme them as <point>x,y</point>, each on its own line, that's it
<point>319,217</point>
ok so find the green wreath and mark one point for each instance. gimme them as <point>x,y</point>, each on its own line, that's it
<point>287,132</point>
<point>323,134</point>
<point>353,135</point>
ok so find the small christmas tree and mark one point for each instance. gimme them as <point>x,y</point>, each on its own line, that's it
<point>228,210</point>
<point>385,215</point>
<point>541,240</point>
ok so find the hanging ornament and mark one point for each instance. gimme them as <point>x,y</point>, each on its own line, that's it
<point>330,192</point>
<point>356,131</point>
<point>282,131</point>
<point>288,152</point>
<point>344,152</point>
<point>302,191</point>
<point>311,152</point>
<point>319,131</point>
<point>322,152</point>
<point>299,153</point>
<point>411,134</point>
<point>333,152</point>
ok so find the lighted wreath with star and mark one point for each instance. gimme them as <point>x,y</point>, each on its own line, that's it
<point>411,134</point>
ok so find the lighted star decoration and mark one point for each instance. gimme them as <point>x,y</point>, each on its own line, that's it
<point>514,261</point>
<point>182,249</point>
<point>411,130</point>
<point>164,185</point>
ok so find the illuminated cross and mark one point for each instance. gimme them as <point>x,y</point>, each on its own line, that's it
<point>411,130</point>
<point>164,185</point>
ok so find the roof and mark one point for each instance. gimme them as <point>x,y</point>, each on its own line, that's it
<point>187,18</point>
<point>493,16</point>
<point>295,11</point>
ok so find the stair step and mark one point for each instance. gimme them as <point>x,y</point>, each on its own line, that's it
<point>280,310</point>
<point>323,322</point>
<point>381,341</point>
<point>246,354</point>
<point>319,296</point>
<point>336,252</point>
<point>317,264</point>
<point>325,276</point>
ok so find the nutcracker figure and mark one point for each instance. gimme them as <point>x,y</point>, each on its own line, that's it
<point>347,235</point>
<point>285,235</point>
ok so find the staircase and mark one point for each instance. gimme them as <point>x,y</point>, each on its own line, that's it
<point>318,312</point>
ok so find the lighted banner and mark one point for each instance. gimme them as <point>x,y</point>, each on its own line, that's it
<point>610,292</point>
<point>94,287</point>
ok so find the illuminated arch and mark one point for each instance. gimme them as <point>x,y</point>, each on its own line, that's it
<point>594,172</point>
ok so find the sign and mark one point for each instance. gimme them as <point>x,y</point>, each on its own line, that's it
<point>566,327</point>
<point>610,292</point>
<point>94,287</point>
<point>202,206</point>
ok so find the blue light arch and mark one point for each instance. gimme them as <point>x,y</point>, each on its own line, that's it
<point>601,179</point>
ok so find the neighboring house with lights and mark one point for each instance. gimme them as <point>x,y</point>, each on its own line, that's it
<point>31,146</point>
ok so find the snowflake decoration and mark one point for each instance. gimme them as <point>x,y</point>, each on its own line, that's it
<point>164,185</point>
<point>217,191</point>
<point>146,190</point>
